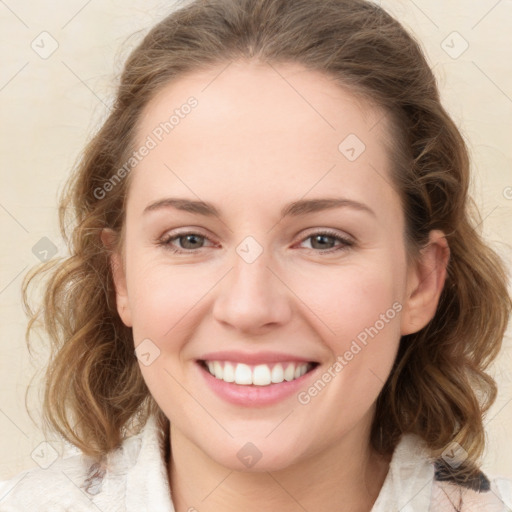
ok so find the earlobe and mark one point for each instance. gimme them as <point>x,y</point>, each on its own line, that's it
<point>425,282</point>
<point>108,238</point>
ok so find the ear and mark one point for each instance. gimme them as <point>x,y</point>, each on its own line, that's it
<point>109,238</point>
<point>425,282</point>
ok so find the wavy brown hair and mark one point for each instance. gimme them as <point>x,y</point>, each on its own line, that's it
<point>438,387</point>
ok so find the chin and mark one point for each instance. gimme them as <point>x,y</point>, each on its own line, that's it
<point>260,455</point>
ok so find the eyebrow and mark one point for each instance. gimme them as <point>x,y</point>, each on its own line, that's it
<point>293,209</point>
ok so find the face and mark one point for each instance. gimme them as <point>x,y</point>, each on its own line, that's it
<point>265,244</point>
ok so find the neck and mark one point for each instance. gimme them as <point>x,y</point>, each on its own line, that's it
<point>346,477</point>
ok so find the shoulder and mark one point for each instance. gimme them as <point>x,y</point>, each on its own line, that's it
<point>58,488</point>
<point>481,490</point>
<point>133,477</point>
<point>417,483</point>
<point>504,488</point>
<point>494,496</point>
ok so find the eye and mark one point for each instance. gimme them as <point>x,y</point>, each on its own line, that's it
<point>187,242</point>
<point>324,241</point>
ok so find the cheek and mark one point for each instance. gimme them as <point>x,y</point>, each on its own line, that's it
<point>166,298</point>
<point>161,295</point>
<point>351,299</point>
<point>357,313</point>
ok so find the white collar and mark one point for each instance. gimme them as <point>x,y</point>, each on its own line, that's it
<point>407,487</point>
<point>408,484</point>
<point>147,484</point>
<point>135,476</point>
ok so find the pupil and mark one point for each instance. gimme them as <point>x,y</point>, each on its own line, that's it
<point>190,239</point>
<point>320,238</point>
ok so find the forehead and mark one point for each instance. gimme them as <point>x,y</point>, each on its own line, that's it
<point>284,98</point>
<point>262,129</point>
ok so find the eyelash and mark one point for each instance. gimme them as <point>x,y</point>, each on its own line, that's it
<point>346,243</point>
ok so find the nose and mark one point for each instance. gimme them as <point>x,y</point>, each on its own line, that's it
<point>253,297</point>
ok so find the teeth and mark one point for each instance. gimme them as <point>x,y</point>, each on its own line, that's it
<point>229,373</point>
<point>243,374</point>
<point>289,373</point>
<point>218,370</point>
<point>259,375</point>
<point>277,374</point>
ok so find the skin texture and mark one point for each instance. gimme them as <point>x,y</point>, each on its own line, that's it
<point>261,137</point>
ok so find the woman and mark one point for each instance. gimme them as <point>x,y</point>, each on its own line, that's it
<point>275,218</point>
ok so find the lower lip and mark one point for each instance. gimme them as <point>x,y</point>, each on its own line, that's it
<point>251,395</point>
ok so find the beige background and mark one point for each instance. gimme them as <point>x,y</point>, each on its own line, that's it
<point>52,103</point>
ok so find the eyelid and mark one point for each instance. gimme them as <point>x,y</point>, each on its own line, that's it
<point>328,231</point>
<point>346,241</point>
<point>171,235</point>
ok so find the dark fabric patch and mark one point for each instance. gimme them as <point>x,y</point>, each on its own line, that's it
<point>444,473</point>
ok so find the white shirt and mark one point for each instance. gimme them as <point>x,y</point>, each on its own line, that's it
<point>136,481</point>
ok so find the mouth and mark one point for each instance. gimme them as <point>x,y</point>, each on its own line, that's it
<point>258,374</point>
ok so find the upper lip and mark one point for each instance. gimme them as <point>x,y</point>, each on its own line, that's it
<point>254,358</point>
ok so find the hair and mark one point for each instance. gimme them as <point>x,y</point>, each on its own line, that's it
<point>438,387</point>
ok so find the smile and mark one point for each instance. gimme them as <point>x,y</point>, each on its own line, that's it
<point>257,375</point>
